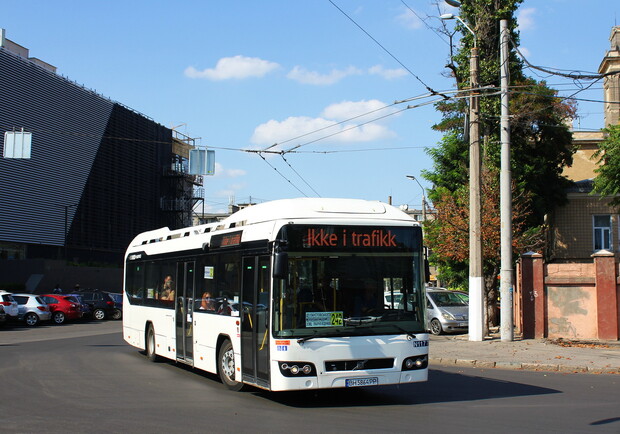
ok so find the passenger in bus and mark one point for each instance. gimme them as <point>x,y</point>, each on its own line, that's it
<point>167,292</point>
<point>208,302</point>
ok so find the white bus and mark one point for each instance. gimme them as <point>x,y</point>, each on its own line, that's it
<point>285,295</point>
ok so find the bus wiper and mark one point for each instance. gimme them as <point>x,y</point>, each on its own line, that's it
<point>371,324</point>
<point>411,335</point>
<point>317,335</point>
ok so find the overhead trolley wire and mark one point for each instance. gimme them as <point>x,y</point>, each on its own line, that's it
<point>284,177</point>
<point>575,75</point>
<point>432,91</point>
<point>300,177</point>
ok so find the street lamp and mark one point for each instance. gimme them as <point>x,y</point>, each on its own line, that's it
<point>456,17</point>
<point>423,197</point>
<point>476,293</point>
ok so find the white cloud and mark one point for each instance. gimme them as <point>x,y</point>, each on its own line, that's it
<point>275,131</point>
<point>525,52</point>
<point>388,74</point>
<point>222,172</point>
<point>237,67</point>
<point>409,20</point>
<point>349,109</point>
<point>304,76</point>
<point>327,124</point>
<point>525,18</point>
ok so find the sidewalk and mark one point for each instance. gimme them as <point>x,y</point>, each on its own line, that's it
<point>597,357</point>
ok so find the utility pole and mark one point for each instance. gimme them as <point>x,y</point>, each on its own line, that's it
<point>506,307</point>
<point>476,287</point>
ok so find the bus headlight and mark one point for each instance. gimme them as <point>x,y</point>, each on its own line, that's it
<point>416,362</point>
<point>297,369</point>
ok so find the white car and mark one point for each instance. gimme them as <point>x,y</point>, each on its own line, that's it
<point>11,308</point>
<point>392,302</point>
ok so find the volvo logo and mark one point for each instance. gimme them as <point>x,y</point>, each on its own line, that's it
<point>360,365</point>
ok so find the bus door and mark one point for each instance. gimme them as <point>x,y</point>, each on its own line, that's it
<point>254,313</point>
<point>185,311</point>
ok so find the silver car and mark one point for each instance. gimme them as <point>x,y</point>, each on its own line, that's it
<point>446,311</point>
<point>32,309</point>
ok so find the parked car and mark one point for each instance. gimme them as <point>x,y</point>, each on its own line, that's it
<point>32,309</point>
<point>11,308</point>
<point>63,307</point>
<point>86,310</point>
<point>2,315</point>
<point>100,302</point>
<point>118,305</point>
<point>446,311</point>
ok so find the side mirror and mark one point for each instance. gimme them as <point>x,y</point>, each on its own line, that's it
<point>280,265</point>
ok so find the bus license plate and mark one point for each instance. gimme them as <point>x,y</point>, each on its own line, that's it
<point>357,382</point>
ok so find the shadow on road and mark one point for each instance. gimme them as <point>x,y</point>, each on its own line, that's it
<point>441,387</point>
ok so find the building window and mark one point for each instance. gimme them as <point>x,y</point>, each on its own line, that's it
<point>17,144</point>
<point>602,232</point>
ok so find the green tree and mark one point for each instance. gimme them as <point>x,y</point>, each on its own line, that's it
<point>607,181</point>
<point>541,142</point>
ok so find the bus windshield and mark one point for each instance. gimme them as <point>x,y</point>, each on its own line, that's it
<point>338,287</point>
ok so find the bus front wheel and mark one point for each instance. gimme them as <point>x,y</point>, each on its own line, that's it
<point>226,366</point>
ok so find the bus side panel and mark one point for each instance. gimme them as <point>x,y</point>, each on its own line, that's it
<point>208,329</point>
<point>162,320</point>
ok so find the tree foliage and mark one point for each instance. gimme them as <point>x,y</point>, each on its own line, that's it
<point>448,233</point>
<point>541,146</point>
<point>607,181</point>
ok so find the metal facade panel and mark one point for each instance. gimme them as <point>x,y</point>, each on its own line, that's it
<point>66,122</point>
<point>121,198</point>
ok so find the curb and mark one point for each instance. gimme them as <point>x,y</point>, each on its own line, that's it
<point>485,364</point>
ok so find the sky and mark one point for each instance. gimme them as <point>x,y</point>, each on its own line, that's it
<point>321,79</point>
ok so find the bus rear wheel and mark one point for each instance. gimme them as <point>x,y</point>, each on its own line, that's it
<point>150,344</point>
<point>226,366</point>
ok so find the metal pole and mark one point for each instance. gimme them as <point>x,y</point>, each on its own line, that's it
<point>476,287</point>
<point>506,308</point>
<point>413,178</point>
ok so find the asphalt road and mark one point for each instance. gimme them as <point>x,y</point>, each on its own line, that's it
<point>84,378</point>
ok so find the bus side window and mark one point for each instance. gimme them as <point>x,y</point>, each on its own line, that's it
<point>228,280</point>
<point>206,295</point>
<point>135,283</point>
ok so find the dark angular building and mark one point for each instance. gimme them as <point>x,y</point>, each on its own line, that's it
<point>81,175</point>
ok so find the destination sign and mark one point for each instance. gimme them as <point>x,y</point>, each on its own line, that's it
<point>226,240</point>
<point>351,238</point>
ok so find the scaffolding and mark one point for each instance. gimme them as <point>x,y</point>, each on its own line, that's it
<point>182,192</point>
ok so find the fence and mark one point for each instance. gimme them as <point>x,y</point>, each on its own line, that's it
<point>568,300</point>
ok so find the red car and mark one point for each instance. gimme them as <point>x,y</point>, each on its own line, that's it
<point>63,307</point>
